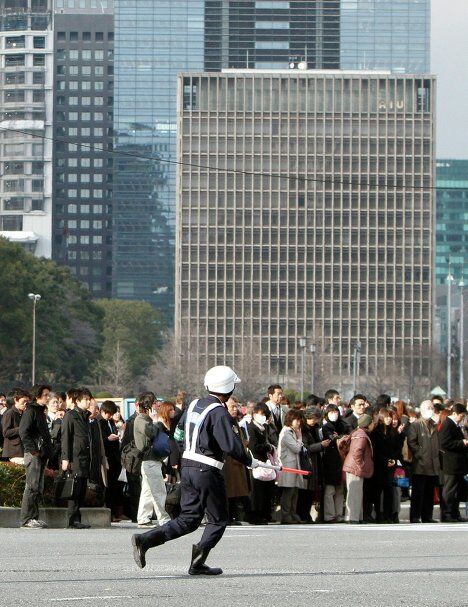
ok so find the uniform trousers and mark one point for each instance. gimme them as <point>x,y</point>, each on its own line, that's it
<point>202,489</point>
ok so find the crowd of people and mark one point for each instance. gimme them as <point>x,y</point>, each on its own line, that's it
<point>363,458</point>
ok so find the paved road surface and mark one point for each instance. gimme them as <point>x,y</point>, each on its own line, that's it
<point>340,565</point>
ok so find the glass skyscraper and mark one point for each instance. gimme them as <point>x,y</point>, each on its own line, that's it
<point>386,34</point>
<point>272,33</point>
<point>452,220</point>
<point>155,40</point>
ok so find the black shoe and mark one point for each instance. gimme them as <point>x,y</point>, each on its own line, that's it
<point>78,525</point>
<point>415,520</point>
<point>198,567</point>
<point>430,520</point>
<point>142,541</point>
<point>455,519</point>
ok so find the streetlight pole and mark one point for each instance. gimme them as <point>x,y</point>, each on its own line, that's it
<point>449,334</point>
<point>35,298</point>
<point>461,284</point>
<point>357,350</point>
<point>312,368</point>
<point>302,345</point>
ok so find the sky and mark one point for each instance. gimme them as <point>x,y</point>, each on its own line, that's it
<point>449,62</point>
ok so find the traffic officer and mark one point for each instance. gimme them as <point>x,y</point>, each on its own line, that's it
<point>209,432</point>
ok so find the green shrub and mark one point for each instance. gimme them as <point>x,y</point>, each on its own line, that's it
<point>12,481</point>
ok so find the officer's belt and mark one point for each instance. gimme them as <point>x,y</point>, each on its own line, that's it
<point>203,459</point>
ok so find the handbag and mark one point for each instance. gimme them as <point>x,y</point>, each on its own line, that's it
<point>400,479</point>
<point>173,493</point>
<point>304,460</point>
<point>64,486</point>
<point>160,446</point>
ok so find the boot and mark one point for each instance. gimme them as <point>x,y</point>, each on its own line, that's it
<point>198,567</point>
<point>143,541</point>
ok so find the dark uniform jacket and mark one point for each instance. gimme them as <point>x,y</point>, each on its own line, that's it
<point>12,446</point>
<point>34,431</point>
<point>219,435</point>
<point>454,450</point>
<point>76,447</point>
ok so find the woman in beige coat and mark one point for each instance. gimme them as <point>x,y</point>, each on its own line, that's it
<point>289,447</point>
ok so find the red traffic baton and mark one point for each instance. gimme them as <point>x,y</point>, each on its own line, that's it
<point>294,471</point>
<point>284,469</point>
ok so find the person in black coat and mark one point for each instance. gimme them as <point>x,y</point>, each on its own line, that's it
<point>315,445</point>
<point>386,448</point>
<point>12,446</point>
<point>110,436</point>
<point>35,436</point>
<point>3,409</point>
<point>333,428</point>
<point>263,492</point>
<point>76,453</point>
<point>454,449</point>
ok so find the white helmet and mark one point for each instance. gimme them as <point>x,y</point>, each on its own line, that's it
<point>220,379</point>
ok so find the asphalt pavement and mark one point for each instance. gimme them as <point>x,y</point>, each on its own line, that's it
<point>297,565</point>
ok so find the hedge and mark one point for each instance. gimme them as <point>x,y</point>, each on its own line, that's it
<point>12,481</point>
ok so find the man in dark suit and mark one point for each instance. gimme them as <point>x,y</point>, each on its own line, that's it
<point>12,447</point>
<point>454,449</point>
<point>76,453</point>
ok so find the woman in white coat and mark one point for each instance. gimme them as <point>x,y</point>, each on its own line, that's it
<point>289,447</point>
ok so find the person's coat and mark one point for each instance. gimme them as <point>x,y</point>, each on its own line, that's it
<point>12,445</point>
<point>454,450</point>
<point>386,446</point>
<point>359,460</point>
<point>76,447</point>
<point>259,444</point>
<point>34,431</point>
<point>331,461</point>
<point>313,443</point>
<point>289,449</point>
<point>423,441</point>
<point>112,447</point>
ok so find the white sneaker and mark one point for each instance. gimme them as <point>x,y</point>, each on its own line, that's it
<point>43,524</point>
<point>33,524</point>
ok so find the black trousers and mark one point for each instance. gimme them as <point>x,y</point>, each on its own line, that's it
<point>74,505</point>
<point>34,488</point>
<point>133,496</point>
<point>202,490</point>
<point>422,497</point>
<point>453,484</point>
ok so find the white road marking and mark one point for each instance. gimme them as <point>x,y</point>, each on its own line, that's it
<point>89,598</point>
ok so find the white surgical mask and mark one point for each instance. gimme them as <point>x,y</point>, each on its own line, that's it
<point>333,417</point>
<point>260,419</point>
<point>427,414</point>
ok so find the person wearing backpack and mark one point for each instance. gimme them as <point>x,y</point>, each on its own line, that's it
<point>153,487</point>
<point>358,465</point>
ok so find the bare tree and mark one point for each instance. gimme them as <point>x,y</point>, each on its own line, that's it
<point>115,375</point>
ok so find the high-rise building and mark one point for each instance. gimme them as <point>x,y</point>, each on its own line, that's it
<point>272,34</point>
<point>451,220</point>
<point>26,108</point>
<point>316,219</point>
<point>386,34</point>
<point>83,132</point>
<point>154,42</point>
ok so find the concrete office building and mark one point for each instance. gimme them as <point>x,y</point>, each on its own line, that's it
<point>318,223</point>
<point>385,35</point>
<point>83,131</point>
<point>26,109</point>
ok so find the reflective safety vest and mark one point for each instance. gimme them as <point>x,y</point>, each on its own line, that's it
<point>193,422</point>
